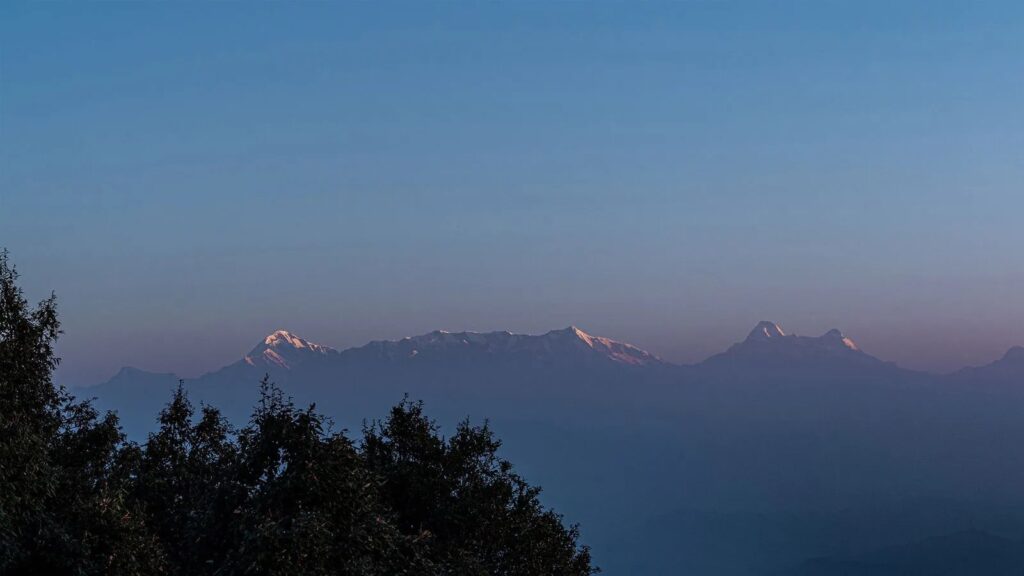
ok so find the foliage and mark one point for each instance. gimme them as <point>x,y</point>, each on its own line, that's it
<point>477,514</point>
<point>63,504</point>
<point>282,495</point>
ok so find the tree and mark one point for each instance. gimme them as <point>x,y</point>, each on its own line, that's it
<point>478,516</point>
<point>62,502</point>
<point>310,505</point>
<point>183,483</point>
<point>29,413</point>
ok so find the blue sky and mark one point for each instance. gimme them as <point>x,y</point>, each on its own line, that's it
<point>189,177</point>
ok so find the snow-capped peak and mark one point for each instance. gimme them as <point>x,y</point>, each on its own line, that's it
<point>766,330</point>
<point>771,332</point>
<point>619,352</point>
<point>568,344</point>
<point>283,349</point>
<point>835,335</point>
<point>284,337</point>
<point>768,345</point>
<point>572,332</point>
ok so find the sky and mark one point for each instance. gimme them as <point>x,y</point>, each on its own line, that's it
<point>188,177</point>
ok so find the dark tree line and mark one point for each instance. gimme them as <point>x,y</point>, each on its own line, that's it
<point>282,495</point>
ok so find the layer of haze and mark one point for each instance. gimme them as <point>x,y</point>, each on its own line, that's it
<point>190,177</point>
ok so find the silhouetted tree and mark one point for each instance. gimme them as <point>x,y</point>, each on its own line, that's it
<point>29,415</point>
<point>62,500</point>
<point>184,483</point>
<point>310,504</point>
<point>478,516</point>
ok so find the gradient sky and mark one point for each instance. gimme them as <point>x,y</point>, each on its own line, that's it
<point>190,177</point>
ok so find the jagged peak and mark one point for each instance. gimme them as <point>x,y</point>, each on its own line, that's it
<point>284,337</point>
<point>766,330</point>
<point>283,349</point>
<point>837,336</point>
<point>618,351</point>
<point>769,338</point>
<point>571,331</point>
<point>587,338</point>
<point>575,333</point>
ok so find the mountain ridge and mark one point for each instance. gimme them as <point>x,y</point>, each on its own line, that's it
<point>766,344</point>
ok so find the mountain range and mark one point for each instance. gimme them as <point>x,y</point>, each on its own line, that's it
<point>766,347</point>
<point>282,349</point>
<point>692,464</point>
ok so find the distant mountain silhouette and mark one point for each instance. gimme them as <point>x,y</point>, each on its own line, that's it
<point>130,379</point>
<point>768,353</point>
<point>1008,370</point>
<point>777,426</point>
<point>767,343</point>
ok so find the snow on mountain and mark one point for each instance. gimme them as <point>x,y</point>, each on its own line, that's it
<point>282,349</point>
<point>772,333</point>
<point>612,349</point>
<point>768,345</point>
<point>568,344</point>
<point>766,330</point>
